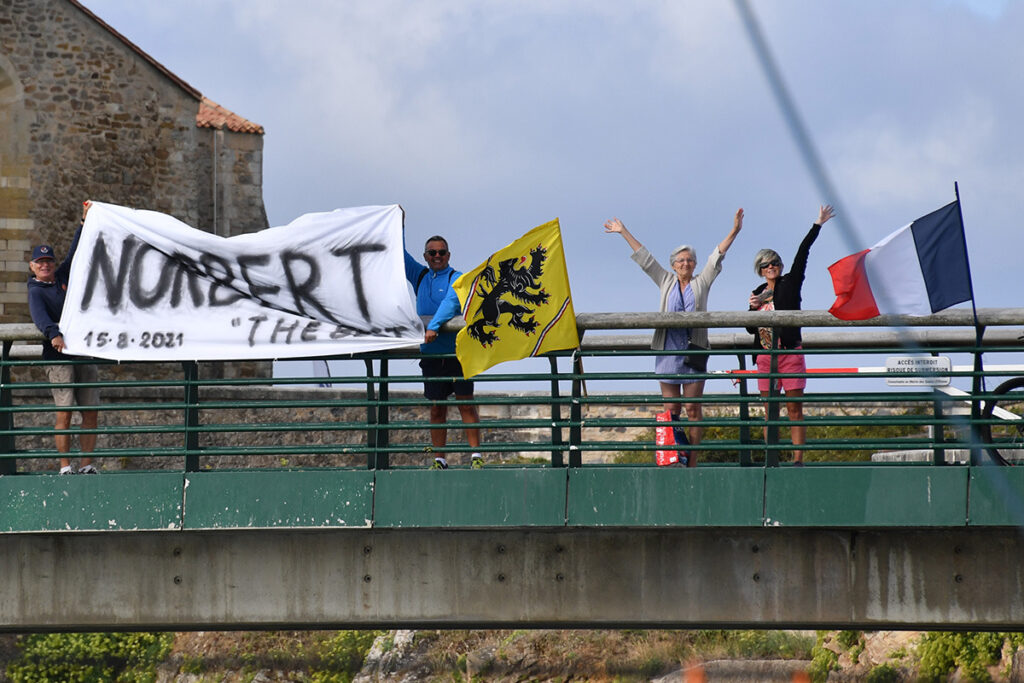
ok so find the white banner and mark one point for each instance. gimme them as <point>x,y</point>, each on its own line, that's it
<point>145,286</point>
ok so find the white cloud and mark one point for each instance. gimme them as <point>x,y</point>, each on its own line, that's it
<point>989,9</point>
<point>489,114</point>
<point>389,89</point>
<point>892,159</point>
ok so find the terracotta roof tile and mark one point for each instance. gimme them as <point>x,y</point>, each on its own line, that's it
<point>212,115</point>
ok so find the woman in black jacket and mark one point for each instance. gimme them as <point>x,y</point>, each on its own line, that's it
<point>782,293</point>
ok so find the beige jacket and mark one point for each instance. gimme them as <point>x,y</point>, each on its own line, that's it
<point>666,279</point>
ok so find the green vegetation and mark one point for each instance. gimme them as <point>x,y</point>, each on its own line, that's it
<point>883,673</point>
<point>90,657</point>
<point>751,644</point>
<point>853,431</point>
<point>861,432</point>
<point>623,655</point>
<point>634,457</point>
<point>942,653</point>
<point>852,642</point>
<point>341,656</point>
<point>823,660</point>
<point>327,656</point>
<point>461,655</point>
<point>518,459</point>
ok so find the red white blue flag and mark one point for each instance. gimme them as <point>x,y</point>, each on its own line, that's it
<point>920,269</point>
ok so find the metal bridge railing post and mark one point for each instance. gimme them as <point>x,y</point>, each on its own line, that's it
<point>371,416</point>
<point>977,388</point>
<point>191,421</point>
<point>745,440</point>
<point>382,459</point>
<point>576,413</point>
<point>771,411</point>
<point>557,455</point>
<point>8,465</point>
<point>938,429</point>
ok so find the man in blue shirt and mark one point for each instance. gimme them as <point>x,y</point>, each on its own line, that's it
<point>46,291</point>
<point>435,297</point>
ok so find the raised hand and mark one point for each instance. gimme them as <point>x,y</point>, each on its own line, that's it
<point>614,225</point>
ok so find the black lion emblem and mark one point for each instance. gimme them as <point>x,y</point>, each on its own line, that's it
<point>515,280</point>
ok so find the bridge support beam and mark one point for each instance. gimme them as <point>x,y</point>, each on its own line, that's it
<point>574,578</point>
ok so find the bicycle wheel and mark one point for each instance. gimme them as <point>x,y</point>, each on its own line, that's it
<point>1005,440</point>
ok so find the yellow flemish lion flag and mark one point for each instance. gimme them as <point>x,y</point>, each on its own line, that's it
<point>517,303</point>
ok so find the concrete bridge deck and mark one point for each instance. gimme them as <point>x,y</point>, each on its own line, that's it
<point>856,546</point>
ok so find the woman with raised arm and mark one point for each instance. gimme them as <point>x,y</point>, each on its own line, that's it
<point>782,293</point>
<point>681,290</point>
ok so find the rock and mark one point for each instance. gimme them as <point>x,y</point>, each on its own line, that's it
<point>479,661</point>
<point>739,671</point>
<point>390,653</point>
<point>1017,668</point>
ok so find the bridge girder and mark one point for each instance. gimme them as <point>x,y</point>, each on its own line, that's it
<point>948,579</point>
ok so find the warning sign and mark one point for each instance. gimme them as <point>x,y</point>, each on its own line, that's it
<point>928,371</point>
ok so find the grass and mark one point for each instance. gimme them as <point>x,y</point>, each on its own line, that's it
<point>850,432</point>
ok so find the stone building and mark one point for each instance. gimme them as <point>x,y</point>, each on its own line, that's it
<point>86,114</point>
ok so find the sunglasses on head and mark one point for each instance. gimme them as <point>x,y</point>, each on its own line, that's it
<point>774,262</point>
<point>436,252</point>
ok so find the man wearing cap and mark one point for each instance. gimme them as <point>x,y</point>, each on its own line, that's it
<point>46,291</point>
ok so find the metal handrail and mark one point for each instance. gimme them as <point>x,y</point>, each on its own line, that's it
<point>197,417</point>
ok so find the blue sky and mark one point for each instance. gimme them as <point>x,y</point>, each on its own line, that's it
<point>485,119</point>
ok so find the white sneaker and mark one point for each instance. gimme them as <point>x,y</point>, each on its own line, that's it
<point>88,469</point>
<point>67,470</point>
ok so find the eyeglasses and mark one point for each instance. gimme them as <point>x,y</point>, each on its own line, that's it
<point>684,259</point>
<point>436,252</point>
<point>775,263</point>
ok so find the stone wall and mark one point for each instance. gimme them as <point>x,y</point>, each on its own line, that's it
<point>234,201</point>
<point>87,115</point>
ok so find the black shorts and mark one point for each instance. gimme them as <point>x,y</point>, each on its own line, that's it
<point>439,390</point>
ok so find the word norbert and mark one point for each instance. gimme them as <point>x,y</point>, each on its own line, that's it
<point>211,280</point>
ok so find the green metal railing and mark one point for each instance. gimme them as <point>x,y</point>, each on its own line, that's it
<point>595,404</point>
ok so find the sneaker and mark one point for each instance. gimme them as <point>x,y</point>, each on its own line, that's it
<point>66,470</point>
<point>439,464</point>
<point>88,469</point>
<point>477,461</point>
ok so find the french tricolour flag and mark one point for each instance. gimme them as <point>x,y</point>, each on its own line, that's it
<point>920,269</point>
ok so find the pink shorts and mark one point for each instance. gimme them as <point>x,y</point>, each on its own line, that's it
<point>793,362</point>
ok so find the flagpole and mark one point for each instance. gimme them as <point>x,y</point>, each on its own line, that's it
<point>963,238</point>
<point>978,381</point>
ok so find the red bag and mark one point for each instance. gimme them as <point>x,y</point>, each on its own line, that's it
<point>665,436</point>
